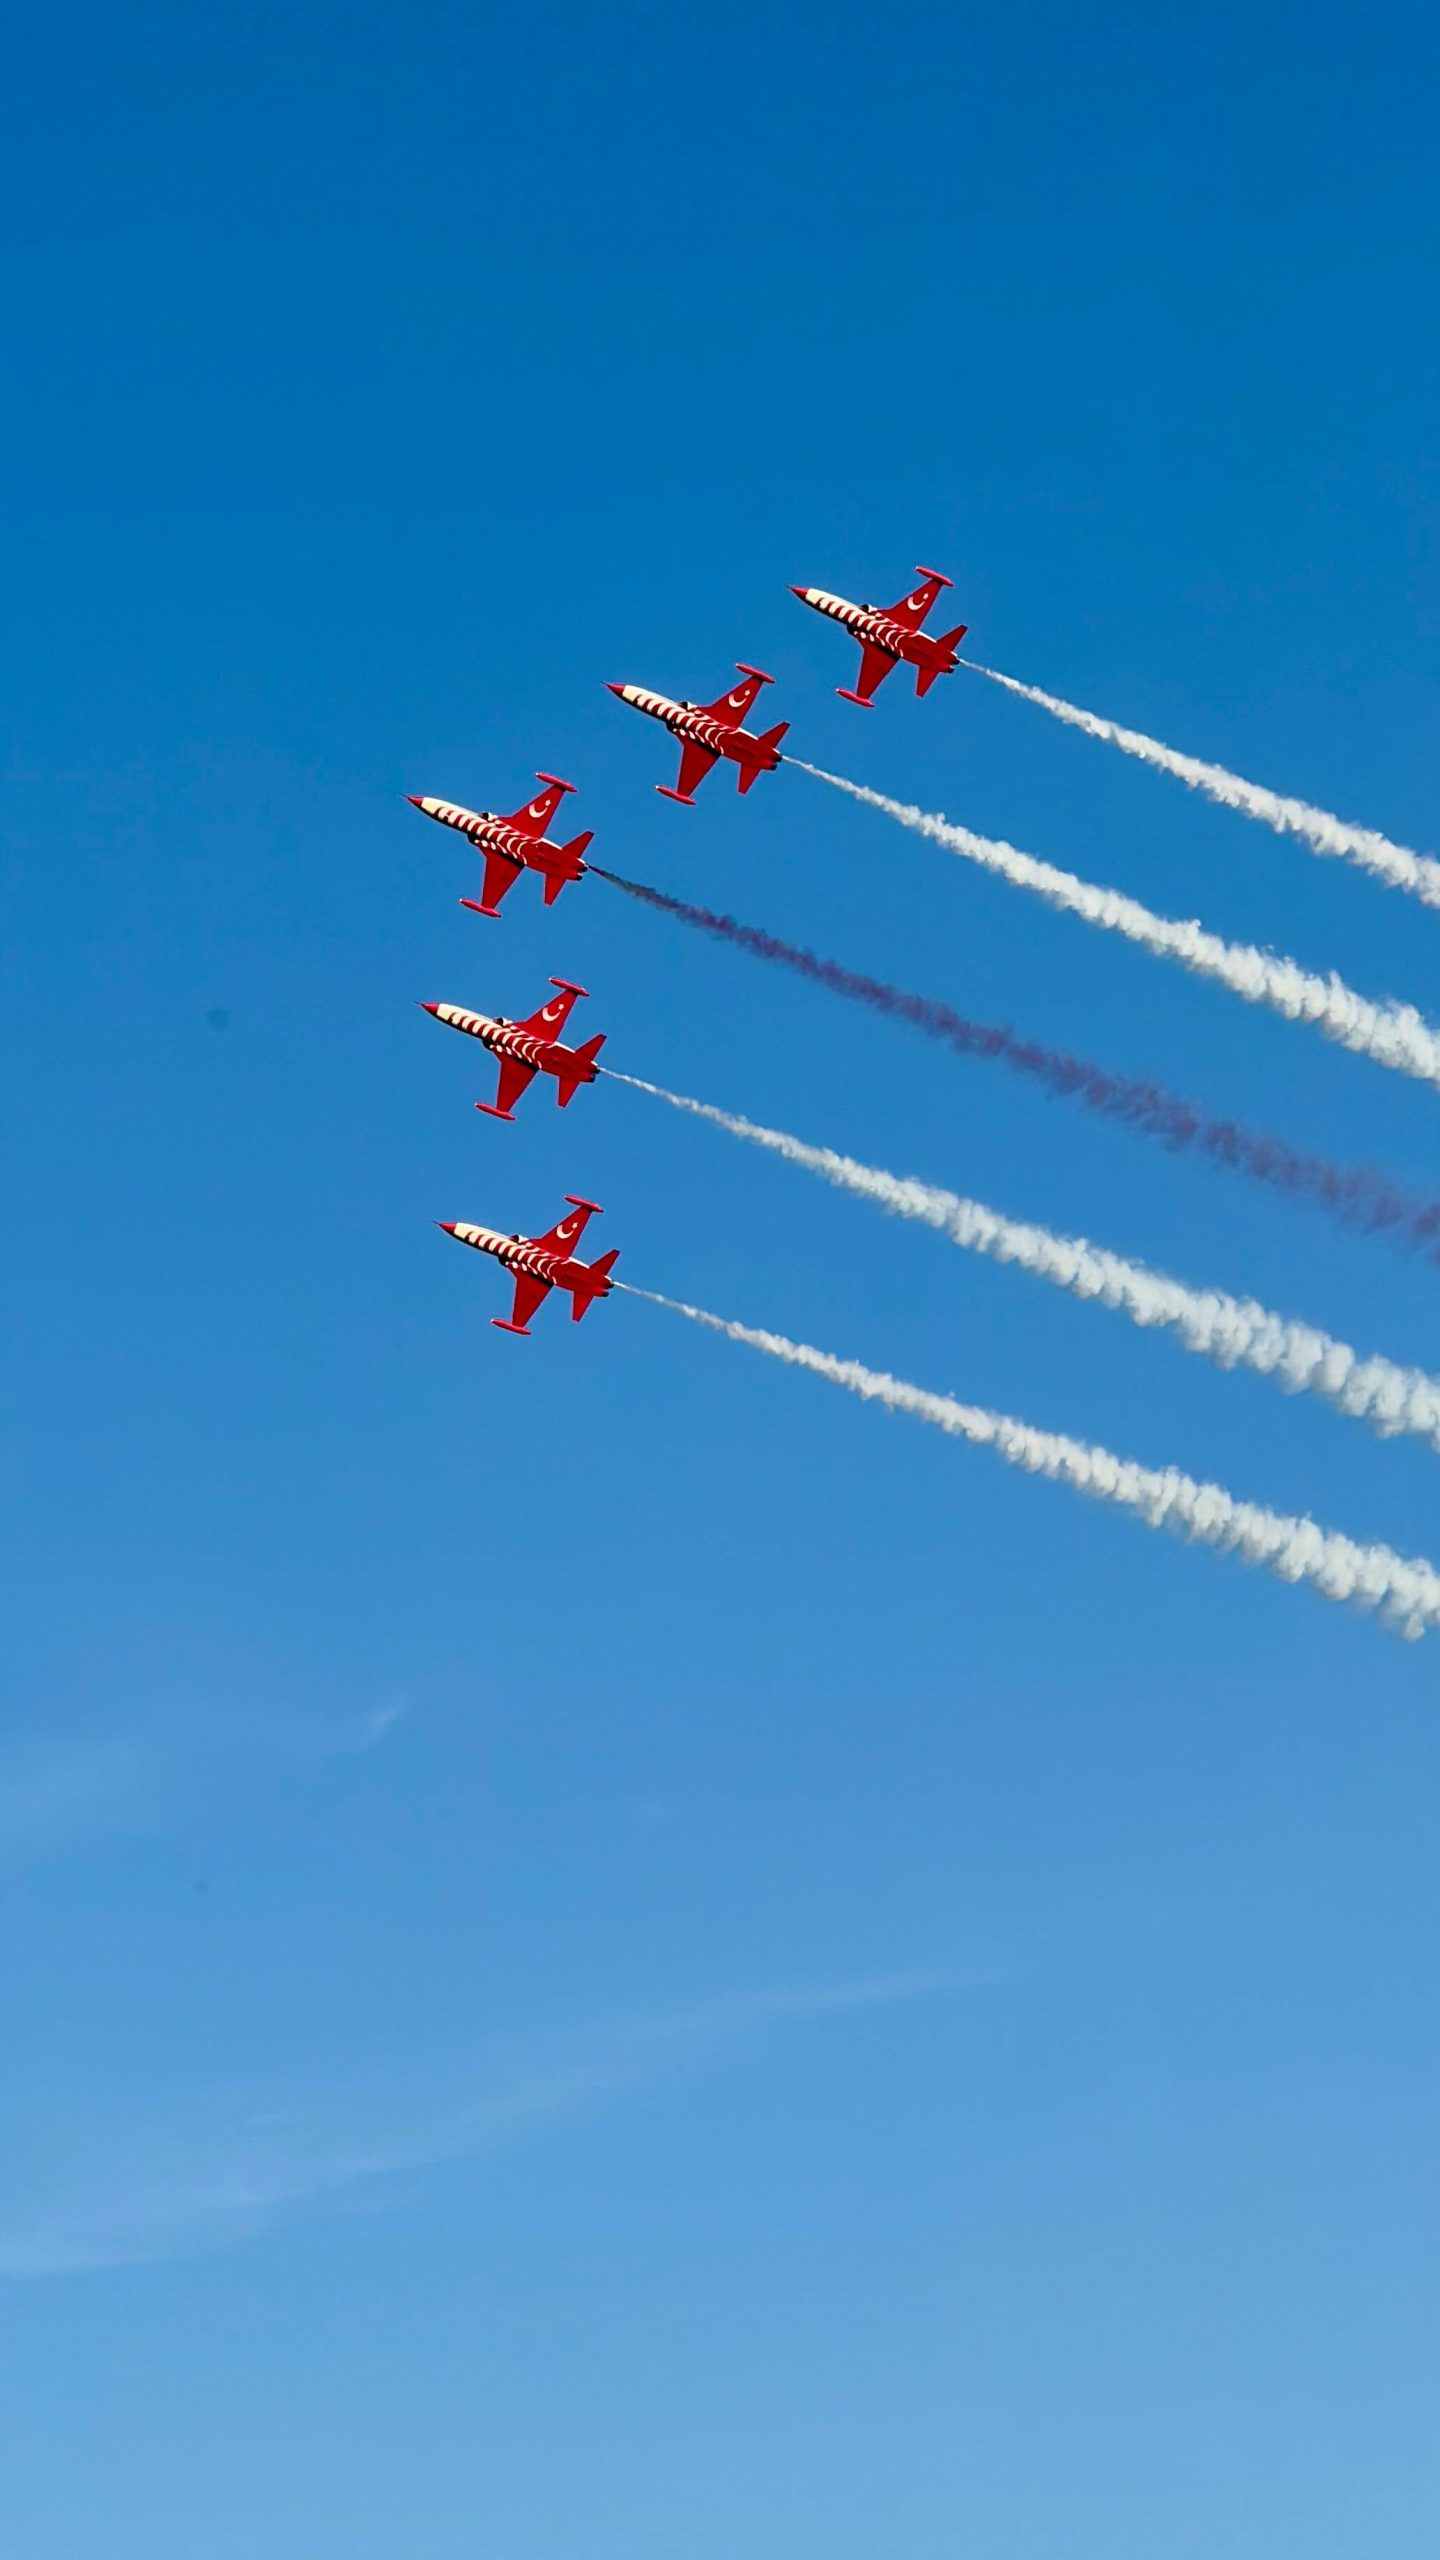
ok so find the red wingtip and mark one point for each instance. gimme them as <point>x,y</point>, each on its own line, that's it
<point>476,909</point>
<point>495,1111</point>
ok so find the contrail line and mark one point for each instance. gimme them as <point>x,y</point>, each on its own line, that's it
<point>1405,1591</point>
<point>1358,1195</point>
<point>1233,1332</point>
<point>1395,864</point>
<point>1395,1035</point>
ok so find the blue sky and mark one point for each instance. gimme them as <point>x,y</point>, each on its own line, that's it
<point>616,1952</point>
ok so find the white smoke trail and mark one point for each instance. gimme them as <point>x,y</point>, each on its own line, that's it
<point>1233,1332</point>
<point>1393,863</point>
<point>1395,1035</point>
<point>1406,1592</point>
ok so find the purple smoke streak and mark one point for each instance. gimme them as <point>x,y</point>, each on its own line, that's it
<point>1359,1195</point>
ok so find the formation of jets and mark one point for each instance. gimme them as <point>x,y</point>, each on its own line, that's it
<point>709,733</point>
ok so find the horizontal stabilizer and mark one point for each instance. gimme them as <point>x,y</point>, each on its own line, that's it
<point>585,1056</point>
<point>770,744</point>
<point>584,1299</point>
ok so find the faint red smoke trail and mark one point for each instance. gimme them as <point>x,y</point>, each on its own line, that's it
<point>1359,1195</point>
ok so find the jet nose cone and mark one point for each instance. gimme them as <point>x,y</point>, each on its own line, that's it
<point>427,1007</point>
<point>414,803</point>
<point>801,592</point>
<point>445,1227</point>
<point>616,688</point>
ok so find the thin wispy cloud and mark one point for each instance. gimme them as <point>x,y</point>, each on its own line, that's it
<point>71,1791</point>
<point>204,2172</point>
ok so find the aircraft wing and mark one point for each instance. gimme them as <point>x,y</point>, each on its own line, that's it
<point>875,665</point>
<point>731,707</point>
<point>501,875</point>
<point>695,763</point>
<point>530,1293</point>
<point>565,1236</point>
<point>550,1019</point>
<point>536,815</point>
<point>913,608</point>
<point>515,1076</point>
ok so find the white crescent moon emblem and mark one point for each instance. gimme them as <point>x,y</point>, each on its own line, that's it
<point>537,808</point>
<point>737,698</point>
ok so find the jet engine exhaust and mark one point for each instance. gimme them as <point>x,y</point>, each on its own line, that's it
<point>1405,1591</point>
<point>1359,1196</point>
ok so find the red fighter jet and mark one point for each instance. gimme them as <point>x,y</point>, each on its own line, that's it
<point>709,730</point>
<point>543,1263</point>
<point>513,845</point>
<point>888,633</point>
<point>528,1048</point>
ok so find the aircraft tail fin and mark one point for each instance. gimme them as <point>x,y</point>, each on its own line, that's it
<point>569,867</point>
<point>599,1272</point>
<point>925,677</point>
<point>584,1056</point>
<point>952,639</point>
<point>770,741</point>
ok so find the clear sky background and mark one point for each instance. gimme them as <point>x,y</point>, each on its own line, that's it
<point>610,1952</point>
